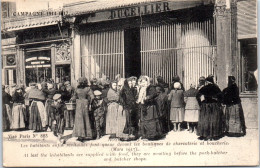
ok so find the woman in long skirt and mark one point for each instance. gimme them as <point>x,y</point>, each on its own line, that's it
<point>210,125</point>
<point>176,98</point>
<point>18,111</point>
<point>83,127</point>
<point>149,127</point>
<point>38,116</point>
<point>6,110</point>
<point>192,108</point>
<point>234,116</point>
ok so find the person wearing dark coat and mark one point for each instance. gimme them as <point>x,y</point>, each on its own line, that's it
<point>162,84</point>
<point>129,105</point>
<point>162,102</point>
<point>211,123</point>
<point>57,109</point>
<point>150,126</point>
<point>6,110</point>
<point>69,115</point>
<point>49,93</point>
<point>234,116</point>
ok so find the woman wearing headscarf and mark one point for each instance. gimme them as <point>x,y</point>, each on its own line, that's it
<point>192,108</point>
<point>112,109</point>
<point>6,110</point>
<point>83,127</point>
<point>150,126</point>
<point>38,115</point>
<point>210,124</point>
<point>18,112</point>
<point>129,104</point>
<point>176,98</point>
<point>234,116</point>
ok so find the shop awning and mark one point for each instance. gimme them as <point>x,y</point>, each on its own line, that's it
<point>92,6</point>
<point>19,23</point>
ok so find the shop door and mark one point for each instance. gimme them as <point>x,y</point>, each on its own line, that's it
<point>132,52</point>
<point>38,66</point>
<point>62,73</point>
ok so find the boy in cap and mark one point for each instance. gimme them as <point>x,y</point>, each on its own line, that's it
<point>99,109</point>
<point>57,109</point>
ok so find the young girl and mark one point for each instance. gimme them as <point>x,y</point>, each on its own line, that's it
<point>192,108</point>
<point>177,106</point>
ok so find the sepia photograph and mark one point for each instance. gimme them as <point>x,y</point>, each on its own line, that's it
<point>129,83</point>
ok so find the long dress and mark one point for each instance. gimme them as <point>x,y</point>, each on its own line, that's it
<point>163,111</point>
<point>49,101</point>
<point>150,127</point>
<point>210,124</point>
<point>83,126</point>
<point>115,118</point>
<point>192,106</point>
<point>6,111</point>
<point>38,115</point>
<point>234,116</point>
<point>18,111</point>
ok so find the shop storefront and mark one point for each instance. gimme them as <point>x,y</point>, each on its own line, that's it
<point>41,51</point>
<point>158,38</point>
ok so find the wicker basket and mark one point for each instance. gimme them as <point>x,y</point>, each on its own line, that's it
<point>71,106</point>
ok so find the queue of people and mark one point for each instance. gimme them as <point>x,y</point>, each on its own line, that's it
<point>127,109</point>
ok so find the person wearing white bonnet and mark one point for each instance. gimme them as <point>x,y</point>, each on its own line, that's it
<point>176,98</point>
<point>192,108</point>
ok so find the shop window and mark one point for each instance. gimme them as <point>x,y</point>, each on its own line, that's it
<point>10,76</point>
<point>249,65</point>
<point>38,66</point>
<point>62,73</point>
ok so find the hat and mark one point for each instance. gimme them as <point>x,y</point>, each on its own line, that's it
<point>97,93</point>
<point>176,78</point>
<point>67,83</point>
<point>56,96</point>
<point>231,78</point>
<point>177,85</point>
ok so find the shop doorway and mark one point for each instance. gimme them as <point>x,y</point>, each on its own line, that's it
<point>132,52</point>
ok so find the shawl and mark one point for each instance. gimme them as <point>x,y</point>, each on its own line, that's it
<point>112,95</point>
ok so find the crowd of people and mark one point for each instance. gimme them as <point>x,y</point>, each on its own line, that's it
<point>127,109</point>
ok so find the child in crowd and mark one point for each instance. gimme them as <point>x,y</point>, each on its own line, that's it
<point>58,108</point>
<point>99,109</point>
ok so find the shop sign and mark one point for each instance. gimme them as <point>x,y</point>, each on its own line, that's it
<point>140,10</point>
